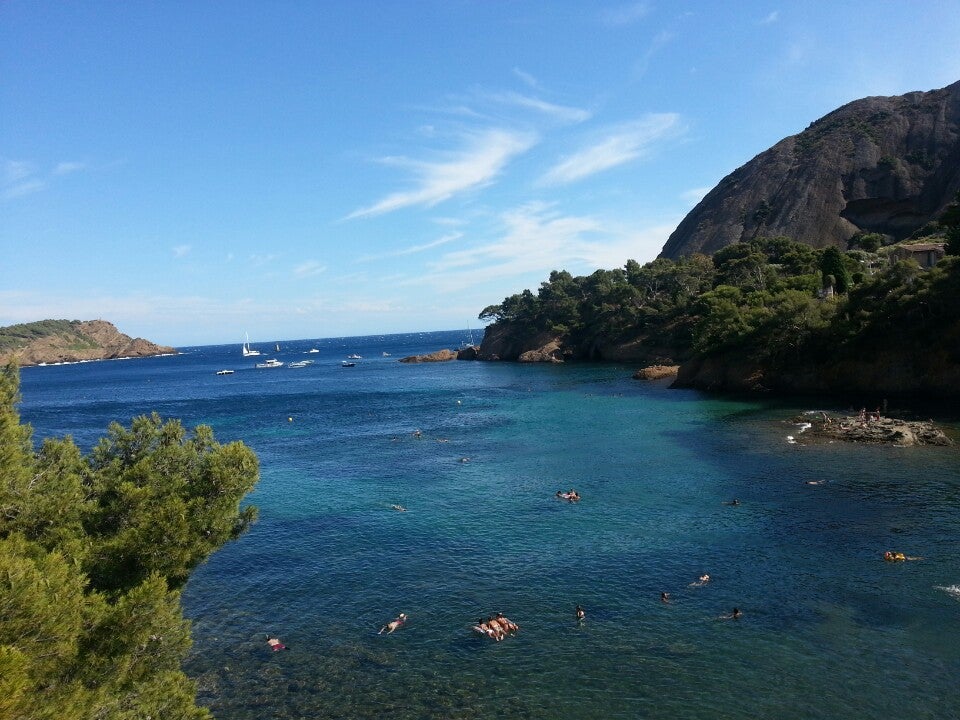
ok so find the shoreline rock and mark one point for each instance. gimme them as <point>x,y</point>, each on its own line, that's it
<point>445,355</point>
<point>882,431</point>
<point>79,341</point>
<point>657,372</point>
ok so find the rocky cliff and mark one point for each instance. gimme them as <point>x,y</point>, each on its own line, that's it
<point>880,164</point>
<point>56,341</point>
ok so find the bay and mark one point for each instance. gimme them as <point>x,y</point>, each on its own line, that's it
<point>828,628</point>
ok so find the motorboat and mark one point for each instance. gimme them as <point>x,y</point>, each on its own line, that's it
<point>300,364</point>
<point>224,372</point>
<point>271,363</point>
<point>347,363</point>
<point>354,357</point>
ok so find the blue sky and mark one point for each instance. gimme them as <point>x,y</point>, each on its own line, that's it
<point>195,170</point>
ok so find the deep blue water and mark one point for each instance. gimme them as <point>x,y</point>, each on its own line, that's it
<point>829,630</point>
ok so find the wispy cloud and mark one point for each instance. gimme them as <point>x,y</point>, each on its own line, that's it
<point>536,238</point>
<point>527,78</point>
<point>483,158</point>
<point>181,251</point>
<point>695,195</point>
<point>620,145</point>
<point>414,249</point>
<point>309,269</point>
<point>660,41</point>
<point>771,18</point>
<point>65,168</point>
<point>560,112</point>
<point>624,14</point>
<point>22,177</point>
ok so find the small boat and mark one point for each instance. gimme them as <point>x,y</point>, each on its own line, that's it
<point>386,354</point>
<point>271,363</point>
<point>312,350</point>
<point>347,363</point>
<point>224,372</point>
<point>354,357</point>
<point>300,363</point>
<point>247,352</point>
<point>278,347</point>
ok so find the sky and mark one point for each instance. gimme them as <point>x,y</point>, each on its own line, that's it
<point>193,170</point>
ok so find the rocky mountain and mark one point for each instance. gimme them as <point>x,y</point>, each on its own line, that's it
<point>881,164</point>
<point>54,341</point>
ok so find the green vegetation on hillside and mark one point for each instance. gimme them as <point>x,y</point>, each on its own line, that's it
<point>777,302</point>
<point>14,337</point>
<point>93,553</point>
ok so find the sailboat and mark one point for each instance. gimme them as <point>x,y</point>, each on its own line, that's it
<point>247,352</point>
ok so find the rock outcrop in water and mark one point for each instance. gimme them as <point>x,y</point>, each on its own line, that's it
<point>881,164</point>
<point>59,341</point>
<point>876,430</point>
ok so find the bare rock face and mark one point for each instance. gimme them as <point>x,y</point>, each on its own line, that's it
<point>877,430</point>
<point>438,356</point>
<point>880,164</point>
<point>657,372</point>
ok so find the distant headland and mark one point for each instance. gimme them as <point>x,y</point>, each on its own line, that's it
<point>47,342</point>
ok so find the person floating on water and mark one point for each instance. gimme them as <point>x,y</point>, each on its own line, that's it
<point>393,624</point>
<point>891,556</point>
<point>701,581</point>
<point>665,597</point>
<point>580,613</point>
<point>399,508</point>
<point>735,615</point>
<point>496,626</point>
<point>275,644</point>
<point>571,495</point>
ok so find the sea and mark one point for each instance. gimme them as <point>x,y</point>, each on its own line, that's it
<point>475,453</point>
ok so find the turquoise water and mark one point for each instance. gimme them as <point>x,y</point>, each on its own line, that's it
<point>829,630</point>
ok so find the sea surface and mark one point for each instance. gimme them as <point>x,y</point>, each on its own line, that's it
<point>829,630</point>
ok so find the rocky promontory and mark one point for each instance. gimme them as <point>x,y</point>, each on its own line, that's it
<point>875,429</point>
<point>467,353</point>
<point>61,341</point>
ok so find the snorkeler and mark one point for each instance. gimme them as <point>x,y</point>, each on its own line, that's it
<point>393,624</point>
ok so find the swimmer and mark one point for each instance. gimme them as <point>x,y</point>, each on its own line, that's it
<point>732,502</point>
<point>815,482</point>
<point>393,624</point>
<point>580,613</point>
<point>898,557</point>
<point>735,615</point>
<point>442,440</point>
<point>665,597</point>
<point>506,623</point>
<point>701,581</point>
<point>275,644</point>
<point>399,508</point>
<point>484,629</point>
<point>417,434</point>
<point>464,459</point>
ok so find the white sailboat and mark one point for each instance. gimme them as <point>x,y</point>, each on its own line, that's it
<point>247,352</point>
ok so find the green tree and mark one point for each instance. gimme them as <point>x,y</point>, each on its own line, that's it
<point>832,264</point>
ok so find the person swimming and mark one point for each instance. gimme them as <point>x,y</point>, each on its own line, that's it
<point>399,508</point>
<point>393,624</point>
<point>275,644</point>
<point>890,556</point>
<point>665,597</point>
<point>701,581</point>
<point>732,502</point>
<point>580,613</point>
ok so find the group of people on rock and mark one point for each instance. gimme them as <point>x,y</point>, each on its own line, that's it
<point>496,626</point>
<point>570,495</point>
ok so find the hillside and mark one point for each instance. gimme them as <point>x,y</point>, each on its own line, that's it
<point>881,164</point>
<point>56,341</point>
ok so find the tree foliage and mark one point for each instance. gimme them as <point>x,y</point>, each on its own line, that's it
<point>92,553</point>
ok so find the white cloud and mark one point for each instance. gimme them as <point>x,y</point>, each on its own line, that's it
<point>527,78</point>
<point>661,40</point>
<point>181,251</point>
<point>695,195</point>
<point>65,168</point>
<point>308,269</point>
<point>535,238</point>
<point>560,112</point>
<point>771,18</point>
<point>412,250</point>
<point>484,157</point>
<point>625,14</point>
<point>621,144</point>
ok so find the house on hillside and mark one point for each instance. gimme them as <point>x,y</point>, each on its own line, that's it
<point>926,254</point>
